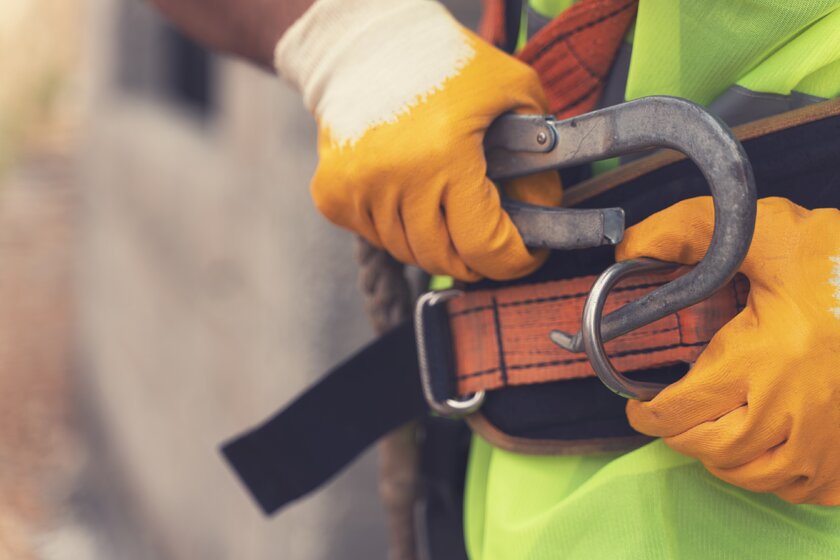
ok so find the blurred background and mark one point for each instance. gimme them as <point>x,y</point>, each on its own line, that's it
<point>165,283</point>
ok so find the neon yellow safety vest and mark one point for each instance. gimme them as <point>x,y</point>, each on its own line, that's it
<point>653,503</point>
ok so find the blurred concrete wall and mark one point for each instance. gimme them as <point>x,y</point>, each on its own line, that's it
<point>210,293</point>
<point>40,43</point>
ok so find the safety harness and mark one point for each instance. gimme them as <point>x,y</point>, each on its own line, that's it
<point>516,319</point>
<point>540,398</point>
<point>493,338</point>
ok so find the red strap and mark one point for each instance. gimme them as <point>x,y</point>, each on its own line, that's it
<point>501,337</point>
<point>574,52</point>
<point>492,25</point>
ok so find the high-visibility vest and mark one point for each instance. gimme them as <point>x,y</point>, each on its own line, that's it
<point>762,57</point>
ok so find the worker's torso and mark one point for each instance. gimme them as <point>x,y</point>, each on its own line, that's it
<point>744,61</point>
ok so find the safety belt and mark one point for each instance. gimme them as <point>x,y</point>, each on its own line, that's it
<point>494,342</point>
<point>500,334</point>
<point>355,404</point>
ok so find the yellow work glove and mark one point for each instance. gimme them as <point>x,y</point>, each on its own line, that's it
<point>761,406</point>
<point>403,95</point>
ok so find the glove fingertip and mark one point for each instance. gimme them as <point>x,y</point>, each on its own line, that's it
<point>542,189</point>
<point>484,236</point>
<point>631,246</point>
<point>680,233</point>
<point>642,418</point>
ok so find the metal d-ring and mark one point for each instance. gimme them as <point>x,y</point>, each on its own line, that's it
<point>711,145</point>
<point>461,407</point>
<point>591,328</point>
<point>426,347</point>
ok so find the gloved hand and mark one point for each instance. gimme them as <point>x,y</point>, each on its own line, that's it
<point>403,95</point>
<point>761,406</point>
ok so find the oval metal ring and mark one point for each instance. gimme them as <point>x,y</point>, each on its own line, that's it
<point>593,342</point>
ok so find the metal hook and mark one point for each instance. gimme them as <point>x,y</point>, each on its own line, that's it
<point>517,145</point>
<point>645,123</point>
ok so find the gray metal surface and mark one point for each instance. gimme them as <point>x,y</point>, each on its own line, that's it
<point>652,122</point>
<point>520,133</point>
<point>566,228</point>
<point>684,126</point>
<point>512,138</point>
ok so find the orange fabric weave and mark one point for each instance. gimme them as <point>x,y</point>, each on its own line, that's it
<point>574,52</point>
<point>501,337</point>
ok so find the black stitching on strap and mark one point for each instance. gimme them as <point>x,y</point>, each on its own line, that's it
<point>584,359</point>
<point>549,299</point>
<point>583,27</point>
<point>592,73</point>
<point>471,310</point>
<point>498,324</point>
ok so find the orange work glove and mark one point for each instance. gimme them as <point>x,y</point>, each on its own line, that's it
<point>761,406</point>
<point>403,96</point>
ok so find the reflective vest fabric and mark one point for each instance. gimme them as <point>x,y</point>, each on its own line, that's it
<point>701,48</point>
<point>654,503</point>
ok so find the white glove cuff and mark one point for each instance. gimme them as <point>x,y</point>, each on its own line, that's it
<point>364,62</point>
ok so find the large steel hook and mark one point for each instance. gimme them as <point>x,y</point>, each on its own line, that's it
<point>518,146</point>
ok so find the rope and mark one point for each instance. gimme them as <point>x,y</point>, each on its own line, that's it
<point>388,300</point>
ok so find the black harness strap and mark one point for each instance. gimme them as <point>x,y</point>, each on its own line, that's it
<point>322,431</point>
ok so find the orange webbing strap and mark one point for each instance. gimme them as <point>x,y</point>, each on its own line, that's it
<point>573,54</point>
<point>501,337</point>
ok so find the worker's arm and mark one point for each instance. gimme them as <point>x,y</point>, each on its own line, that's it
<point>403,95</point>
<point>246,28</point>
<point>761,406</point>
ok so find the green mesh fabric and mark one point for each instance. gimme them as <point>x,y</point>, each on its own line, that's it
<point>654,503</point>
<point>649,504</point>
<point>550,8</point>
<point>699,49</point>
<point>809,63</point>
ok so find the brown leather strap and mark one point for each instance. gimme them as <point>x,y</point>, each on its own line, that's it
<point>574,52</point>
<point>492,25</point>
<point>501,336</point>
<point>479,423</point>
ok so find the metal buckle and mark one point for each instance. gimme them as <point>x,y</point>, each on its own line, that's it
<point>446,407</point>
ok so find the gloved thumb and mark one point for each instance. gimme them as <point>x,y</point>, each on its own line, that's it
<point>681,233</point>
<point>542,189</point>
